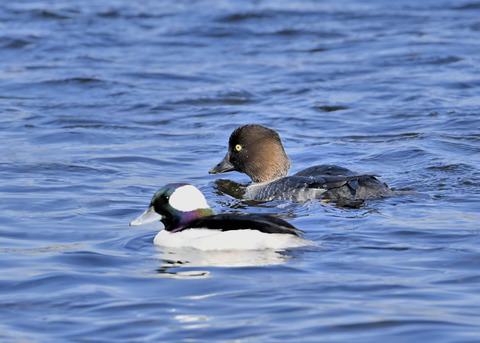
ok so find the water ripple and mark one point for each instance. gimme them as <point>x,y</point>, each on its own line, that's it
<point>101,104</point>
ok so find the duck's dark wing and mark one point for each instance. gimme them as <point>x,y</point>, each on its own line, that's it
<point>241,221</point>
<point>326,170</point>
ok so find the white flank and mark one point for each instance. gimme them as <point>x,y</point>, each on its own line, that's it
<point>205,239</point>
<point>188,198</point>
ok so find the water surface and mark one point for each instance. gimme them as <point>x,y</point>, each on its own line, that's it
<point>102,104</point>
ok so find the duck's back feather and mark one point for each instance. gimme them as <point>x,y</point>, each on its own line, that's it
<point>325,169</point>
<point>243,221</point>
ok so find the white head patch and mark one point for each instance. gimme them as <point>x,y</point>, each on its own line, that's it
<point>188,198</point>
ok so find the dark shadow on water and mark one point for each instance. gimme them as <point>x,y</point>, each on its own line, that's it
<point>231,188</point>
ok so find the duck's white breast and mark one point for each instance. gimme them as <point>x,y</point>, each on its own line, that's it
<point>205,239</point>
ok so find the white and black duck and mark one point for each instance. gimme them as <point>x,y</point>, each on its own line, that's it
<point>190,222</point>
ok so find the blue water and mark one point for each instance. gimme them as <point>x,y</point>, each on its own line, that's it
<point>101,103</point>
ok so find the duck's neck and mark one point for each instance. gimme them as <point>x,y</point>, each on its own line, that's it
<point>275,166</point>
<point>181,219</point>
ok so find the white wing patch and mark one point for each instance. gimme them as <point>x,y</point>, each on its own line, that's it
<point>188,198</point>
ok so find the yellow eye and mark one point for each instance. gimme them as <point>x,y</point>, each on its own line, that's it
<point>238,147</point>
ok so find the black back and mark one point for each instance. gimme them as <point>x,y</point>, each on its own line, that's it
<point>241,221</point>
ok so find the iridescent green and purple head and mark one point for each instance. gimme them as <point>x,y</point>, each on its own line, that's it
<point>175,205</point>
